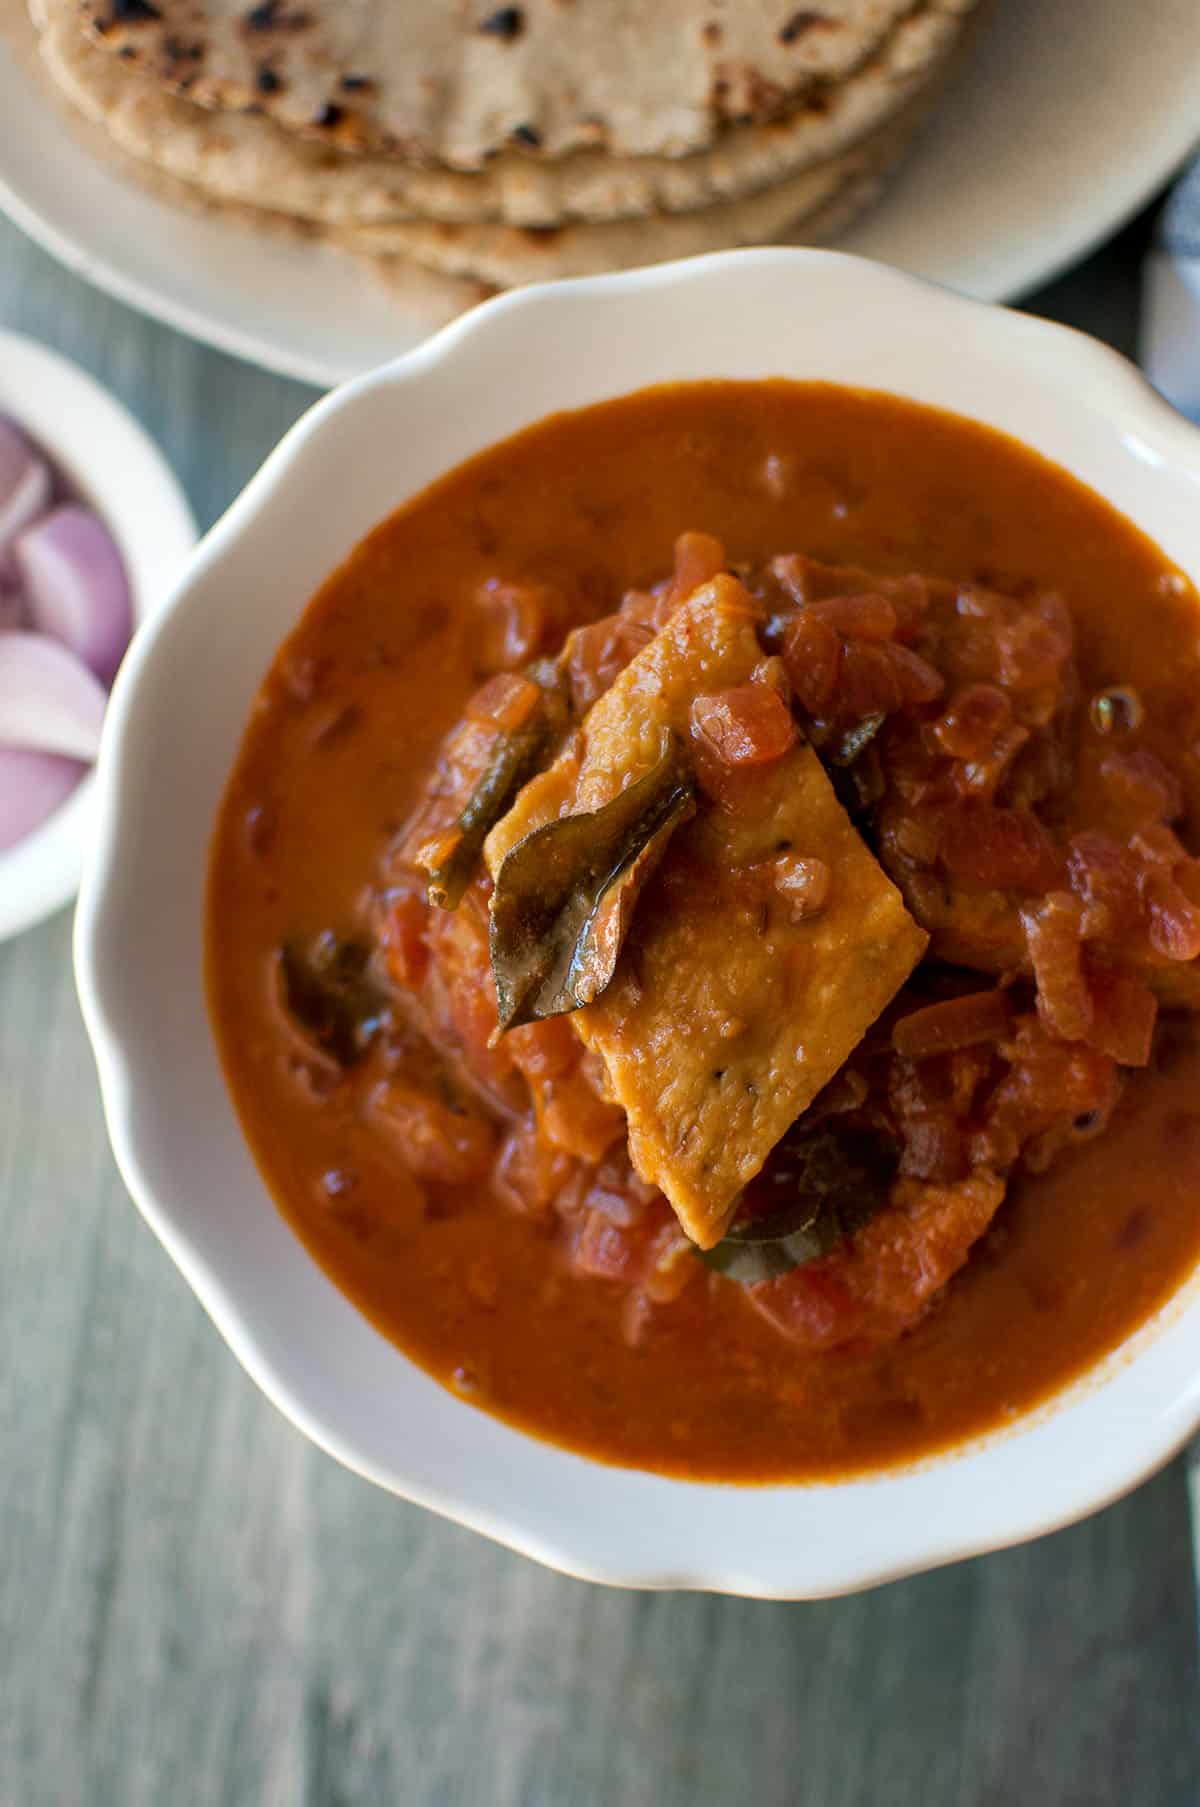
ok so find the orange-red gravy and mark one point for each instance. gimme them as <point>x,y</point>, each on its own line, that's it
<point>593,500</point>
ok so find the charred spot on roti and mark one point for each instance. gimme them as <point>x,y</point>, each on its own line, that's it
<point>272,15</point>
<point>804,21</point>
<point>178,51</point>
<point>133,12</point>
<point>506,23</point>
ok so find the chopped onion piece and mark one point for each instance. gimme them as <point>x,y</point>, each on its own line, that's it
<point>49,701</point>
<point>75,581</point>
<point>25,486</point>
<point>32,785</point>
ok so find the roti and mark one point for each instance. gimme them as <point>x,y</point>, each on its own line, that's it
<point>247,158</point>
<point>509,255</point>
<point>428,299</point>
<point>399,275</point>
<point>457,83</point>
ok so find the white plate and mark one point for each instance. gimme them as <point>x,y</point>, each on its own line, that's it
<point>1069,116</point>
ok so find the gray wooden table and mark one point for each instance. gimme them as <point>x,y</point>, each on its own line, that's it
<point>198,1608</point>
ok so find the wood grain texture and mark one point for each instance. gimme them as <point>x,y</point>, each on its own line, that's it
<point>198,1608</point>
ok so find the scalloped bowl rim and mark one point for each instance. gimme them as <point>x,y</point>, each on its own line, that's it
<point>767,312</point>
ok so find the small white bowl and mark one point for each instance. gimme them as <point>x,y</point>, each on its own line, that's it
<point>114,466</point>
<point>179,709</point>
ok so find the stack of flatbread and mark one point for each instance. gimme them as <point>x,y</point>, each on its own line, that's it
<point>462,146</point>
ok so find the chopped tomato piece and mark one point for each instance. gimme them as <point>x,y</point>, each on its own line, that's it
<point>909,597</point>
<point>979,1018</point>
<point>910,835</point>
<point>747,725</point>
<point>811,1306</point>
<point>530,1172</point>
<point>901,1260</point>
<point>1033,645</point>
<point>919,681</point>
<point>868,684</point>
<point>505,702</point>
<point>459,995</point>
<point>1173,918</point>
<point>977,726</point>
<point>794,573</point>
<point>812,657</point>
<point>606,1251</point>
<point>1141,788</point>
<point>1104,877</point>
<point>515,622</point>
<point>866,617</point>
<point>544,1050</point>
<point>670,1265</point>
<point>572,1115</point>
<point>698,558</point>
<point>1125,1010</point>
<point>803,581</point>
<point>444,1142</point>
<point>1000,849</point>
<point>1053,933</point>
<point>626,1231</point>
<point>1157,845</point>
<point>432,831</point>
<point>618,1192</point>
<point>404,916</point>
<point>772,671</point>
<point>1052,1088</point>
<point>598,653</point>
<point>931,1102</point>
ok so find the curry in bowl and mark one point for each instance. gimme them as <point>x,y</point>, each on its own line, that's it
<point>702,936</point>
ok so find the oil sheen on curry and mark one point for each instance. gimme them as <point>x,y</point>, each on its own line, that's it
<point>703,930</point>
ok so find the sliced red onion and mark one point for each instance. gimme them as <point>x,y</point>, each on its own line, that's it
<point>49,701</point>
<point>75,583</point>
<point>12,608</point>
<point>32,785</point>
<point>25,486</point>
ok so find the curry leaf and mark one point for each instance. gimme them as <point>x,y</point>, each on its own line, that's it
<point>829,1181</point>
<point>858,787</point>
<point>851,760</point>
<point>327,991</point>
<point>566,893</point>
<point>515,756</point>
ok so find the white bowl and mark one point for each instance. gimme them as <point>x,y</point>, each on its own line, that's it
<point>115,467</point>
<point>179,709</point>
